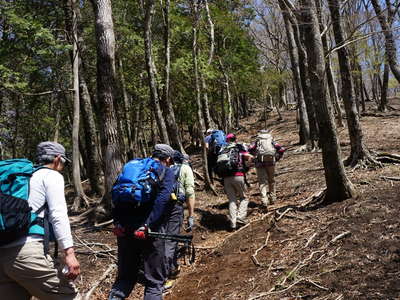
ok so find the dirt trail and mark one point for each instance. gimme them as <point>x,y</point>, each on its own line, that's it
<point>299,260</point>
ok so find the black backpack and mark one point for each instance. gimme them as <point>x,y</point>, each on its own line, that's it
<point>228,161</point>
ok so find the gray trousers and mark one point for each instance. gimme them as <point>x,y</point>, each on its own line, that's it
<point>235,189</point>
<point>174,227</point>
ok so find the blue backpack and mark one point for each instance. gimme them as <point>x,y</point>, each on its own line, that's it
<point>138,182</point>
<point>217,141</point>
<point>16,217</point>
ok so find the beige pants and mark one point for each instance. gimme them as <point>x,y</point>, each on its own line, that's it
<point>235,189</point>
<point>266,181</point>
<point>25,271</point>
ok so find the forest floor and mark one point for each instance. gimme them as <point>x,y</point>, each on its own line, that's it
<point>346,250</point>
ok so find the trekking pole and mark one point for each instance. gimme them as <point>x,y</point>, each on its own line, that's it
<point>186,239</point>
<point>183,238</point>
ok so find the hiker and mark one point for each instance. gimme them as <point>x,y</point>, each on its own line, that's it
<point>214,142</point>
<point>184,192</point>
<point>267,152</point>
<point>135,215</point>
<point>231,166</point>
<point>26,269</point>
<point>211,157</point>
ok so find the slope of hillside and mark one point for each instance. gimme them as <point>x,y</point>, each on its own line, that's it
<point>347,250</point>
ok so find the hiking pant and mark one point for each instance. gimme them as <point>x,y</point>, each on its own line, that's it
<point>266,181</point>
<point>212,162</point>
<point>26,271</point>
<point>235,189</point>
<point>171,247</point>
<point>133,254</point>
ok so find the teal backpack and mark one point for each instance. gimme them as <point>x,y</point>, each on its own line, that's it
<point>16,217</point>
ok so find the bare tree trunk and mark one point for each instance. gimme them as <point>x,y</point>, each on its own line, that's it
<point>205,103</point>
<point>173,132</point>
<point>390,45</point>
<point>195,15</point>
<point>331,80</point>
<point>304,132</point>
<point>106,77</point>
<point>361,87</point>
<point>126,107</point>
<point>89,127</point>
<point>72,27</point>
<point>162,128</point>
<point>57,125</point>
<point>228,115</point>
<point>333,92</point>
<point>338,185</point>
<point>359,152</point>
<point>298,32</point>
<point>384,100</point>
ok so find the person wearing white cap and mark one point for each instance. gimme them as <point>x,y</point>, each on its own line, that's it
<point>26,269</point>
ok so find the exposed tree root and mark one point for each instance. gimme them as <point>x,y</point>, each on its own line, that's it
<point>379,115</point>
<point>388,158</point>
<point>362,160</point>
<point>390,178</point>
<point>254,256</point>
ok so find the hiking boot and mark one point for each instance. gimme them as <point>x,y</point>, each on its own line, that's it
<point>232,227</point>
<point>265,201</point>
<point>241,221</point>
<point>272,197</point>
<point>168,285</point>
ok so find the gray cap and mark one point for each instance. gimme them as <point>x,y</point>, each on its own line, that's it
<point>164,150</point>
<point>49,150</point>
<point>186,157</point>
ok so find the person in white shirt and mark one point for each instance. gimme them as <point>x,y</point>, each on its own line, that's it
<point>25,268</point>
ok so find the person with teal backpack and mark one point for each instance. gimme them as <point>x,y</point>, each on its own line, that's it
<point>31,200</point>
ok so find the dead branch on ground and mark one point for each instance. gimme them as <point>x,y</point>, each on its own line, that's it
<point>390,178</point>
<point>100,280</point>
<point>254,256</point>
<point>97,225</point>
<point>338,237</point>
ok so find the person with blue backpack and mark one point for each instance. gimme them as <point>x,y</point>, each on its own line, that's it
<point>214,142</point>
<point>32,199</point>
<point>141,203</point>
<point>184,194</point>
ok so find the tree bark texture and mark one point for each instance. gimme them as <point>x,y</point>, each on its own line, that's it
<point>126,108</point>
<point>76,172</point>
<point>384,100</point>
<point>358,152</point>
<point>338,185</point>
<point>329,73</point>
<point>195,15</point>
<point>89,127</point>
<point>305,78</point>
<point>106,77</point>
<point>173,131</point>
<point>162,128</point>
<point>390,45</point>
<point>304,132</point>
<point>205,101</point>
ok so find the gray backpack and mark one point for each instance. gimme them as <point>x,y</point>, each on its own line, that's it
<point>265,147</point>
